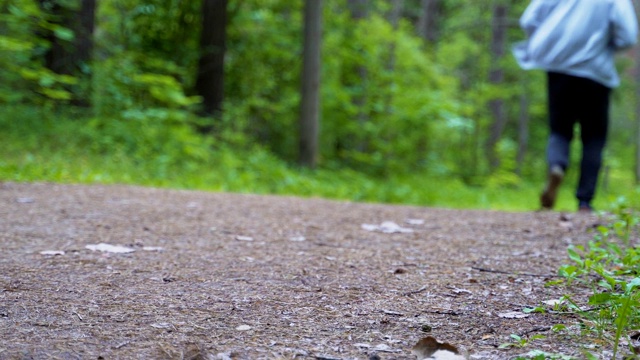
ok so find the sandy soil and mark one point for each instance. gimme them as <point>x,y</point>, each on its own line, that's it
<point>219,276</point>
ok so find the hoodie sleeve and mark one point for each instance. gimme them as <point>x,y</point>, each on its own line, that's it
<point>624,25</point>
<point>535,14</point>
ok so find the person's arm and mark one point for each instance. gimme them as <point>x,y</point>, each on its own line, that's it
<point>624,25</point>
<point>535,14</point>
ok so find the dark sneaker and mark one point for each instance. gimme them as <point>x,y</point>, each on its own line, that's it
<point>585,208</point>
<point>554,179</point>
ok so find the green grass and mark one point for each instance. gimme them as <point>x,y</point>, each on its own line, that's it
<point>39,146</point>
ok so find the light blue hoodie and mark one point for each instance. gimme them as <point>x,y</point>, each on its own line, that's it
<point>577,37</point>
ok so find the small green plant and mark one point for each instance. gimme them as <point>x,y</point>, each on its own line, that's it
<point>519,341</point>
<point>543,355</point>
<point>610,267</point>
<point>537,309</point>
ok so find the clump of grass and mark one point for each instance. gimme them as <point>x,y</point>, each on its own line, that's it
<point>610,267</point>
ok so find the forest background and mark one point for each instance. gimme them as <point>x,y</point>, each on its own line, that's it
<point>418,101</point>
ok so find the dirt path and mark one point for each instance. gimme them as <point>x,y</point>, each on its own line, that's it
<point>262,277</point>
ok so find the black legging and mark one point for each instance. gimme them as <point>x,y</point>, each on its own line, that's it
<point>574,99</point>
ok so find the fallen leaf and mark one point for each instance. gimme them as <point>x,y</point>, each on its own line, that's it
<point>384,348</point>
<point>430,348</point>
<point>52,252</point>
<point>244,238</point>
<point>110,248</point>
<point>152,248</point>
<point>553,302</point>
<point>567,225</point>
<point>387,227</point>
<point>162,326</point>
<point>513,315</point>
<point>370,227</point>
<point>393,313</point>
<point>222,356</point>
<point>414,221</point>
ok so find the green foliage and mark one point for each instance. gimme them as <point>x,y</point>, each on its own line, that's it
<point>160,148</point>
<point>610,267</point>
<point>139,67</point>
<point>262,78</point>
<point>543,355</point>
<point>391,129</point>
<point>519,341</point>
<point>393,107</point>
<point>21,75</point>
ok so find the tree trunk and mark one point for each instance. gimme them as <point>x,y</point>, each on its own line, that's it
<point>310,101</point>
<point>394,19</point>
<point>637,98</point>
<point>84,33</point>
<point>57,58</point>
<point>210,78</point>
<point>70,55</point>
<point>496,78</point>
<point>428,22</point>
<point>359,11</point>
<point>637,112</point>
<point>358,8</point>
<point>83,50</point>
<point>523,132</point>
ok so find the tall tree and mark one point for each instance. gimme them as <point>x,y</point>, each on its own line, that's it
<point>358,8</point>
<point>394,16</point>
<point>496,78</point>
<point>68,31</point>
<point>83,48</point>
<point>70,35</point>
<point>210,77</point>
<point>637,112</point>
<point>359,11</point>
<point>637,100</point>
<point>56,58</point>
<point>84,33</point>
<point>310,102</point>
<point>429,20</point>
<point>523,132</point>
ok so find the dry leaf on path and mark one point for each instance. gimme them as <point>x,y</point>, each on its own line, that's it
<point>385,348</point>
<point>116,249</point>
<point>52,252</point>
<point>513,315</point>
<point>162,326</point>
<point>244,238</point>
<point>152,248</point>
<point>430,348</point>
<point>387,227</point>
<point>414,221</point>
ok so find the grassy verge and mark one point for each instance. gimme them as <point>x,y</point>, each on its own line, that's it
<point>38,146</point>
<point>600,310</point>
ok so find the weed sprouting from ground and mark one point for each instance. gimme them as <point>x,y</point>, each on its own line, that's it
<point>609,266</point>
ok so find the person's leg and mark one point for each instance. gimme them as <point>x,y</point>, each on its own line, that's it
<point>562,117</point>
<point>594,122</point>
<point>561,105</point>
